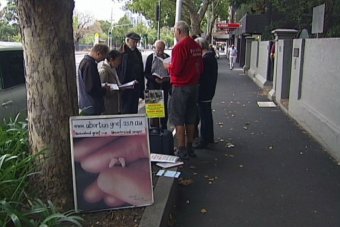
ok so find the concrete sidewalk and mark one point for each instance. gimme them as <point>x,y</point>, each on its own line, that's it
<point>264,171</point>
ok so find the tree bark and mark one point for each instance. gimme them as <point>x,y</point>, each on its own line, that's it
<point>196,17</point>
<point>46,27</point>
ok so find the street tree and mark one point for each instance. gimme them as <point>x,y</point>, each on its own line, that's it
<point>81,26</point>
<point>217,9</point>
<point>297,14</point>
<point>148,9</point>
<point>46,28</point>
<point>120,29</point>
<point>9,25</point>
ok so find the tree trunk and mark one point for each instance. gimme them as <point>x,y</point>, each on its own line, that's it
<point>46,27</point>
<point>195,24</point>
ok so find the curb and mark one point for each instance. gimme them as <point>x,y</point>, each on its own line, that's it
<point>165,194</point>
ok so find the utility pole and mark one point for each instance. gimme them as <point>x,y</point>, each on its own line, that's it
<point>178,10</point>
<point>158,15</point>
<point>178,14</point>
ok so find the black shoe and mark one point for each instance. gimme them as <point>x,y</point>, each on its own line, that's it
<point>191,153</point>
<point>182,154</point>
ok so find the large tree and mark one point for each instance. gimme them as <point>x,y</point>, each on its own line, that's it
<point>46,27</point>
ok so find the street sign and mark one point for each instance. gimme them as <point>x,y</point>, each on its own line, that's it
<point>318,19</point>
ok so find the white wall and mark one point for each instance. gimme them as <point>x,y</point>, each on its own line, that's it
<point>253,58</point>
<point>318,109</point>
<point>259,52</point>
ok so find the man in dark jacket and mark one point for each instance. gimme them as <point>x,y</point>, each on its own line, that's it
<point>206,93</point>
<point>131,69</point>
<point>91,92</point>
<point>157,76</point>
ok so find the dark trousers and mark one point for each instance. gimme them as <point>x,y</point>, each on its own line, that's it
<point>129,101</point>
<point>207,123</point>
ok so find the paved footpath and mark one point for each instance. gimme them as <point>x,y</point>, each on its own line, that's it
<point>264,171</point>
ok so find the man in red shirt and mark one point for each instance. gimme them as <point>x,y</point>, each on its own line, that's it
<point>185,69</point>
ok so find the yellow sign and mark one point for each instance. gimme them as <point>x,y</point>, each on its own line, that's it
<point>155,110</point>
<point>154,104</point>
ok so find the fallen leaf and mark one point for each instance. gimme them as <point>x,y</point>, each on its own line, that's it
<point>185,182</point>
<point>203,211</point>
<point>229,145</point>
<point>245,127</point>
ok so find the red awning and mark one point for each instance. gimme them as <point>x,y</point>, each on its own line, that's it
<point>228,26</point>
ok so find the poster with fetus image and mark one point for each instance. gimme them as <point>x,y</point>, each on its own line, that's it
<point>110,162</point>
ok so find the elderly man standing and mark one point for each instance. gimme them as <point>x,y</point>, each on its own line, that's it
<point>185,70</point>
<point>131,69</point>
<point>157,76</point>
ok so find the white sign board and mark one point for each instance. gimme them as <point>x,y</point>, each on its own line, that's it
<point>318,19</point>
<point>110,162</point>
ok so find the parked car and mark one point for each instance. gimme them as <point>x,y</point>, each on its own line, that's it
<point>12,81</point>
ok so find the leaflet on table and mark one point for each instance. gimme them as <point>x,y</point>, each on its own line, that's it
<point>163,158</point>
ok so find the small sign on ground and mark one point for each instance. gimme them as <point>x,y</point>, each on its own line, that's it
<point>266,104</point>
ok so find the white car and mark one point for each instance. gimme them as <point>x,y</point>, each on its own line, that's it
<point>12,81</point>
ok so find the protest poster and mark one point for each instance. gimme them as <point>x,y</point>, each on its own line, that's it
<point>110,162</point>
<point>154,103</point>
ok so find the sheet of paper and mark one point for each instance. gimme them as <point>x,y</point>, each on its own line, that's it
<point>167,60</point>
<point>130,84</point>
<point>266,104</point>
<point>163,158</point>
<point>112,86</point>
<point>160,172</point>
<point>168,165</point>
<point>170,173</point>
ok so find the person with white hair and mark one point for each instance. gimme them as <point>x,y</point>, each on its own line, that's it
<point>206,93</point>
<point>157,76</point>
